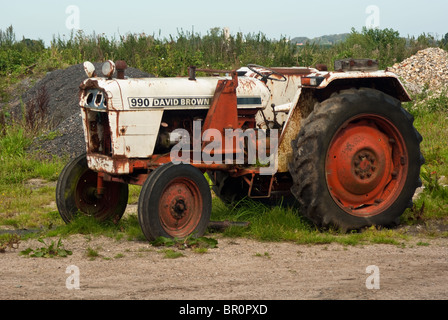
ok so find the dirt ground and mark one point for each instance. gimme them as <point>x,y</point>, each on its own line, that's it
<point>239,269</point>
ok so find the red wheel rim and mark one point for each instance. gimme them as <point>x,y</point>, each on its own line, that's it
<point>366,165</point>
<point>180,207</point>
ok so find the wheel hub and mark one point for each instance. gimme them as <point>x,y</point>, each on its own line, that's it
<point>178,209</point>
<point>180,205</point>
<point>364,164</point>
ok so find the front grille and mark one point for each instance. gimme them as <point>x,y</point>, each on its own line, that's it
<point>98,132</point>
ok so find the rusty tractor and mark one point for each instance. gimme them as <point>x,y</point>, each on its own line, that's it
<point>337,144</point>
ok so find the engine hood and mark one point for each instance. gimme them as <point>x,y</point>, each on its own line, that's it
<point>167,93</point>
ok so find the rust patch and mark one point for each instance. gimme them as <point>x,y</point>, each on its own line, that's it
<point>89,84</point>
<point>246,84</point>
<point>321,67</point>
<point>301,111</point>
<point>294,71</point>
<point>121,66</point>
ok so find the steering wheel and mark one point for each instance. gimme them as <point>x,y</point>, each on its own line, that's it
<point>268,76</point>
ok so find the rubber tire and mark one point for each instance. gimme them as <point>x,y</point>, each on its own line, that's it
<point>113,202</point>
<point>308,164</point>
<point>232,190</point>
<point>229,190</point>
<point>152,191</point>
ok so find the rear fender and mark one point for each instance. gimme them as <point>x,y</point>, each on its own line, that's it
<point>387,83</point>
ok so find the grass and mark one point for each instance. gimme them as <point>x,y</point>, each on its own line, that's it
<point>172,254</point>
<point>91,253</point>
<point>431,114</point>
<point>22,204</point>
<point>266,255</point>
<point>9,241</point>
<point>286,224</point>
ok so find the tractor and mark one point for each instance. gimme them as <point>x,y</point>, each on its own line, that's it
<point>336,144</point>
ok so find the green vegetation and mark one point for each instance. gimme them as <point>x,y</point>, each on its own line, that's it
<point>189,242</point>
<point>431,113</point>
<point>9,241</point>
<point>49,250</point>
<point>27,184</point>
<point>283,223</point>
<point>327,40</point>
<point>24,204</point>
<point>173,55</point>
<point>171,254</point>
<point>91,253</point>
<point>266,255</point>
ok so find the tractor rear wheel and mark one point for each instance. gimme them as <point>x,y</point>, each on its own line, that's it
<point>356,161</point>
<point>175,202</point>
<point>76,192</point>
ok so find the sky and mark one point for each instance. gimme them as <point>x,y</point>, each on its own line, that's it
<point>44,19</point>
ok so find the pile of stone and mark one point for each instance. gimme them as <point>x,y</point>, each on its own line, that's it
<point>427,69</point>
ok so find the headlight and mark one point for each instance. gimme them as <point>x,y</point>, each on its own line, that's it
<point>89,68</point>
<point>108,68</point>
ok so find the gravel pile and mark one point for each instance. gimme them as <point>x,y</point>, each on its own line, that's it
<point>427,68</point>
<point>62,87</point>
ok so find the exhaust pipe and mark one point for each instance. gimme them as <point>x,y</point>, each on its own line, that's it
<point>121,67</point>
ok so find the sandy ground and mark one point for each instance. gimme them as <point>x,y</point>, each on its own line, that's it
<point>238,269</point>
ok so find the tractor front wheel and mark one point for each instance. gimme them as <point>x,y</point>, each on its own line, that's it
<point>175,202</point>
<point>76,192</point>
